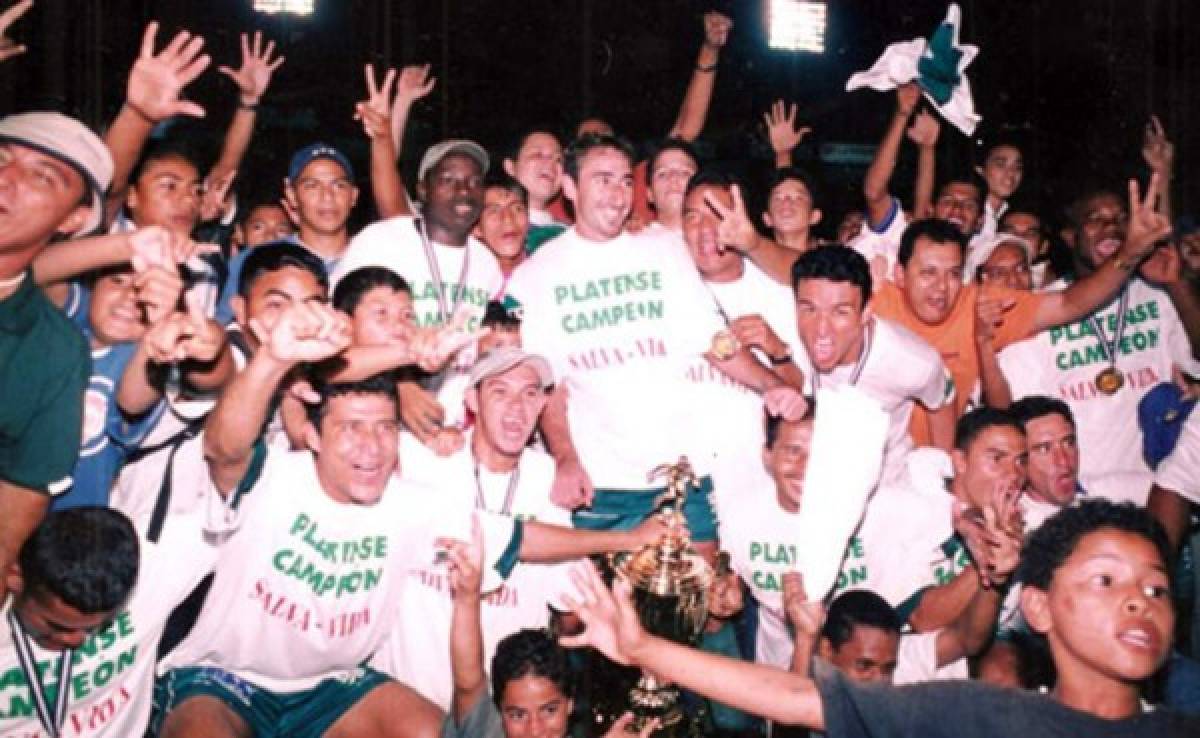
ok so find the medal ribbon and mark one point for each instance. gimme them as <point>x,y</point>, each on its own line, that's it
<point>436,273</point>
<point>509,494</point>
<point>51,722</point>
<point>868,335</point>
<point>1109,348</point>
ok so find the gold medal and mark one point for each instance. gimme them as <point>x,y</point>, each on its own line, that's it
<point>724,345</point>
<point>1110,381</point>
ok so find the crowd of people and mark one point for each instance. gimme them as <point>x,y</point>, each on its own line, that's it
<point>263,476</point>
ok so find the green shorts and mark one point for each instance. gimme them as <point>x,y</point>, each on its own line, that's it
<point>623,509</point>
<point>269,714</point>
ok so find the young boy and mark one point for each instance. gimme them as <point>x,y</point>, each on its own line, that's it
<point>1095,585</point>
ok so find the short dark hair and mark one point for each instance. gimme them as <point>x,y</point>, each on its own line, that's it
<point>857,607</point>
<point>252,205</point>
<point>85,556</point>
<point>578,149</point>
<point>975,422</point>
<point>515,144</point>
<point>276,255</point>
<point>1075,211</point>
<point>1039,406</point>
<point>163,149</point>
<point>351,288</point>
<point>773,423</point>
<point>783,174</point>
<point>932,229</point>
<point>1053,543</point>
<point>498,315</point>
<point>835,263</point>
<point>668,144</point>
<point>498,179</point>
<point>380,384</point>
<point>530,652</point>
<point>707,177</point>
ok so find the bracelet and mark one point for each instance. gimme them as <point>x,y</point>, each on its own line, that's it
<point>1122,264</point>
<point>781,360</point>
<point>253,107</point>
<point>709,68</point>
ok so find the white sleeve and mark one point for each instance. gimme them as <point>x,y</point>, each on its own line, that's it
<point>917,661</point>
<point>938,388</point>
<point>1177,339</point>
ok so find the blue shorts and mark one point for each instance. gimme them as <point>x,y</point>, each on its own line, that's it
<point>623,509</point>
<point>306,714</point>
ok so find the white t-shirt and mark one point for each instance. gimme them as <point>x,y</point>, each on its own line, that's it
<point>113,679</point>
<point>884,241</point>
<point>1063,362</point>
<point>306,588</point>
<point>737,440</point>
<point>621,322</point>
<point>916,661</point>
<point>901,368</point>
<point>417,651</point>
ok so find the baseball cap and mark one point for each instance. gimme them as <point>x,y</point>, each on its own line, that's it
<point>1161,413</point>
<point>70,141</point>
<point>311,153</point>
<point>982,249</point>
<point>439,151</point>
<point>501,360</point>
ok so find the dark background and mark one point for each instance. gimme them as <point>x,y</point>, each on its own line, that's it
<point>1076,79</point>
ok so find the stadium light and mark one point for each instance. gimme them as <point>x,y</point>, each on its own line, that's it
<point>296,7</point>
<point>796,25</point>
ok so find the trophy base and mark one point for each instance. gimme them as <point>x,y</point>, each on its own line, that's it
<point>649,703</point>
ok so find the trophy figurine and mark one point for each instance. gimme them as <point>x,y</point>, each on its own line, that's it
<point>670,590</point>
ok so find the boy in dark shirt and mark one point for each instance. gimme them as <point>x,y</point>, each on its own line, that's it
<point>1095,585</point>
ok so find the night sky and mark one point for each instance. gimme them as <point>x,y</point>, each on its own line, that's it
<point>1075,78</point>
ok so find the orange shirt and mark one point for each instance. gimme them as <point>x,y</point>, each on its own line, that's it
<point>954,338</point>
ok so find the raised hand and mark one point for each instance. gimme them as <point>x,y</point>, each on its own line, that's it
<point>1147,226</point>
<point>254,76</point>
<point>1157,149</point>
<point>782,132</point>
<point>8,47</point>
<point>212,203</point>
<point>611,624</point>
<point>185,335</point>
<point>156,291</point>
<point>807,617</point>
<point>1164,266</point>
<point>374,112</point>
<point>924,130</point>
<point>433,347</point>
<point>655,528</point>
<point>305,332</point>
<point>735,230</point>
<point>414,84</point>
<point>716,29</point>
<point>156,81</point>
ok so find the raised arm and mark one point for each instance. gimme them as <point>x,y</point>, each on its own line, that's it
<point>386,185</point>
<point>879,175</point>
<point>613,628</point>
<point>547,544</point>
<point>8,47</point>
<point>252,79</point>
<point>806,618</point>
<point>737,231</point>
<point>924,133</point>
<point>153,94</point>
<point>694,109</point>
<point>1146,228</point>
<point>988,314</point>
<point>1159,154</point>
<point>306,332</point>
<point>466,631</point>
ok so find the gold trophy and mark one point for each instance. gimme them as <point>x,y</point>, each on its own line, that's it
<point>670,591</point>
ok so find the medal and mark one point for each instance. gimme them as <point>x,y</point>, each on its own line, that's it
<point>724,345</point>
<point>1110,381</point>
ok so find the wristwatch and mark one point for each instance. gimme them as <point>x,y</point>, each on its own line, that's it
<point>786,358</point>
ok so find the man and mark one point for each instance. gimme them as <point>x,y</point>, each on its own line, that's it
<point>54,172</point>
<point>504,222</point>
<point>320,189</point>
<point>494,472</point>
<point>619,317</point>
<point>448,269</point>
<point>537,163</point>
<point>846,343</point>
<point>1105,642</point>
<point>1053,470</point>
<point>759,316</point>
<point>792,210</point>
<point>927,295</point>
<point>74,599</point>
<point>1102,363</point>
